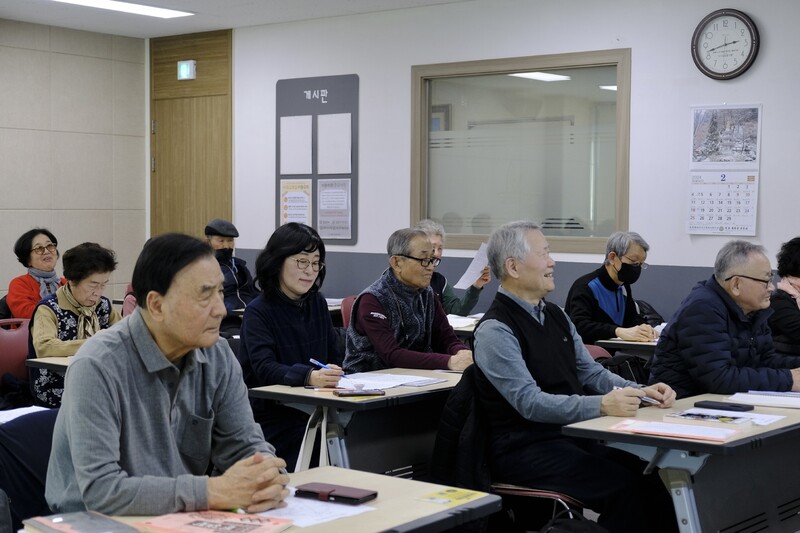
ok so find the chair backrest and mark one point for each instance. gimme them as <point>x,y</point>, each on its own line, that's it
<point>347,308</point>
<point>597,352</point>
<point>14,347</point>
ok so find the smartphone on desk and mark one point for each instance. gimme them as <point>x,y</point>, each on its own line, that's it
<point>344,393</point>
<point>328,492</point>
<point>723,406</point>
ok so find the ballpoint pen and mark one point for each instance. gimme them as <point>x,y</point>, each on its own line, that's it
<point>321,365</point>
<point>646,399</point>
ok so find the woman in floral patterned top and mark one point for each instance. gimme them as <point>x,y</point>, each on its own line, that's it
<point>78,310</point>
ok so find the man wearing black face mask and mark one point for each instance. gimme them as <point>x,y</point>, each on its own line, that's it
<point>238,284</point>
<point>601,304</point>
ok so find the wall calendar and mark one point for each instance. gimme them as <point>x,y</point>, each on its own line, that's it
<point>723,203</point>
<point>724,170</point>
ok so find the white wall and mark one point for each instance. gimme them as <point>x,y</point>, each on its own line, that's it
<point>381,48</point>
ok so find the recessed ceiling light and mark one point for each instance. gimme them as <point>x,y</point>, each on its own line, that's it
<point>125,7</point>
<point>541,76</point>
<point>608,87</point>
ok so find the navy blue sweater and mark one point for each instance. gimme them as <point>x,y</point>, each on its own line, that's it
<point>278,337</point>
<point>710,345</point>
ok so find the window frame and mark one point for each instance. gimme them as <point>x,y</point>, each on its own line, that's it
<point>420,106</point>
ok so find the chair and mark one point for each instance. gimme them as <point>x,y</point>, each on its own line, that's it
<point>14,347</point>
<point>460,458</point>
<point>569,504</point>
<point>597,352</point>
<point>347,308</point>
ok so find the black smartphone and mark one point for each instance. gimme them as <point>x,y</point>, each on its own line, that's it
<point>723,406</point>
<point>327,492</point>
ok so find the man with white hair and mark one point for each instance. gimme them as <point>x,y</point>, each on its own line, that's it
<point>534,375</point>
<point>719,340</point>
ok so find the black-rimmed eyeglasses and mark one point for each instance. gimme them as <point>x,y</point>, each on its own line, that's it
<point>766,282</point>
<point>303,264</point>
<point>643,265</point>
<point>39,250</point>
<point>425,261</point>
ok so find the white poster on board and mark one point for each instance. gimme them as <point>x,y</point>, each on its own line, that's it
<point>295,139</point>
<point>334,153</point>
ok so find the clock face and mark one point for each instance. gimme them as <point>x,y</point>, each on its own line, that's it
<point>725,44</point>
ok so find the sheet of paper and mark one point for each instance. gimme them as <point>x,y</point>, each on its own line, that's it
<point>457,321</point>
<point>377,380</point>
<point>669,429</point>
<point>307,512</point>
<point>334,151</point>
<point>475,268</point>
<point>766,400</point>
<point>295,145</point>
<point>758,419</point>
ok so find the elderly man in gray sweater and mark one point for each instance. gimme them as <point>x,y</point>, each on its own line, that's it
<point>155,417</point>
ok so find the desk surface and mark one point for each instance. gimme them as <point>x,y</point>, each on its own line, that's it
<point>619,344</point>
<point>58,364</point>
<point>394,396</point>
<point>397,505</point>
<point>747,438</point>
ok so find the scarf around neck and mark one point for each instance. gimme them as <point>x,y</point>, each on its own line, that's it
<point>49,282</point>
<point>88,322</point>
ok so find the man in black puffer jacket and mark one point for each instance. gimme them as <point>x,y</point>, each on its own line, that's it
<point>719,341</point>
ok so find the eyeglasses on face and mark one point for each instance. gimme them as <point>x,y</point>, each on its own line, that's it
<point>39,250</point>
<point>304,263</point>
<point>425,261</point>
<point>643,265</point>
<point>766,282</point>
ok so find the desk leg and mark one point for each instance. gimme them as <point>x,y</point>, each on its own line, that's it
<point>677,468</point>
<point>307,446</point>
<point>334,435</point>
<point>679,483</point>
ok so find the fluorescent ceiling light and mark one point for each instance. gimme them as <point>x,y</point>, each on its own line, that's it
<point>125,7</point>
<point>608,87</point>
<point>541,76</point>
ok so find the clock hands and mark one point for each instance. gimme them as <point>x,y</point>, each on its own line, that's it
<point>722,46</point>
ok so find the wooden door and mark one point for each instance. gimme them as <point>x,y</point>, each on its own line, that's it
<point>191,170</point>
<point>191,138</point>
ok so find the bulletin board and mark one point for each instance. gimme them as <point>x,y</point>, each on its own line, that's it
<point>316,163</point>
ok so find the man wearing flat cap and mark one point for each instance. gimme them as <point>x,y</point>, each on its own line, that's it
<point>238,284</point>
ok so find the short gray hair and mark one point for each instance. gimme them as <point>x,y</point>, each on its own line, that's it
<point>399,242</point>
<point>620,241</point>
<point>509,240</point>
<point>733,255</point>
<point>431,227</point>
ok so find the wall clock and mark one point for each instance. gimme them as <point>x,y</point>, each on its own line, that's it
<point>725,44</point>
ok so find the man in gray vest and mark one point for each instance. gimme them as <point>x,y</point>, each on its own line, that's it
<point>534,376</point>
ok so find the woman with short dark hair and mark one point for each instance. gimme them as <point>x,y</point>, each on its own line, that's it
<point>78,310</point>
<point>285,326</point>
<point>785,300</point>
<point>37,250</point>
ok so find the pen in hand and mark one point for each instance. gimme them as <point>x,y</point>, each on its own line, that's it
<point>645,399</point>
<point>321,365</point>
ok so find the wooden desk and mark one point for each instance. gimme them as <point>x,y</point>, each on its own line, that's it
<point>56,364</point>
<point>749,483</point>
<point>385,434</point>
<point>397,505</point>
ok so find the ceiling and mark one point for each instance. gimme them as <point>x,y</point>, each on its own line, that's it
<point>209,14</point>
